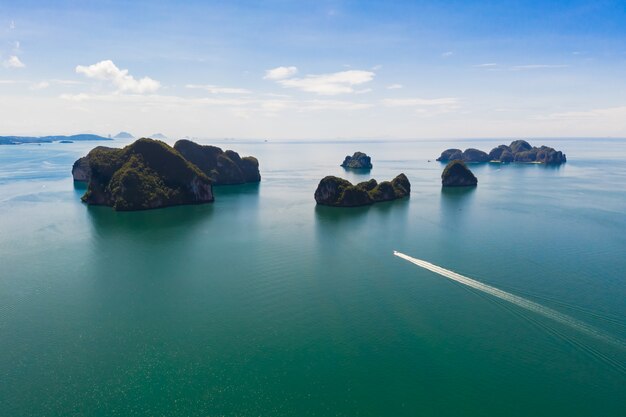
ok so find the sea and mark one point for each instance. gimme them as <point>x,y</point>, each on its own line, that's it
<point>266,304</point>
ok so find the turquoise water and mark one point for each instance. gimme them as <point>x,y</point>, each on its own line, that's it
<point>263,304</point>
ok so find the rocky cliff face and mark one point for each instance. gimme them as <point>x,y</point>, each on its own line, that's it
<point>334,191</point>
<point>222,167</point>
<point>457,174</point>
<point>475,155</point>
<point>144,175</point>
<point>357,161</point>
<point>450,155</point>
<point>517,151</point>
<point>81,171</point>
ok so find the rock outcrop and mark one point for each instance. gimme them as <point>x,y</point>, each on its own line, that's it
<point>147,174</point>
<point>475,155</point>
<point>357,161</point>
<point>517,151</point>
<point>450,155</point>
<point>457,174</point>
<point>334,191</point>
<point>81,171</point>
<point>222,167</point>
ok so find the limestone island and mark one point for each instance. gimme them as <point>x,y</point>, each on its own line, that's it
<point>223,167</point>
<point>146,174</point>
<point>357,161</point>
<point>337,192</point>
<point>457,174</point>
<point>150,174</point>
<point>517,151</point>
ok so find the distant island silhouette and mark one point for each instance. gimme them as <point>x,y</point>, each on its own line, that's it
<point>17,140</point>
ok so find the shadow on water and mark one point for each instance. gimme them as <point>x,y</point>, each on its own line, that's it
<point>332,218</point>
<point>342,233</point>
<point>330,215</point>
<point>182,219</point>
<point>551,167</point>
<point>249,189</point>
<point>107,222</point>
<point>345,213</point>
<point>456,199</point>
<point>80,186</point>
<point>457,194</point>
<point>357,171</point>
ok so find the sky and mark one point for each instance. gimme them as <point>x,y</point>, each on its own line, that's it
<point>320,69</point>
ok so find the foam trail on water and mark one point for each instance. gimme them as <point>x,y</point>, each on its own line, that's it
<point>514,299</point>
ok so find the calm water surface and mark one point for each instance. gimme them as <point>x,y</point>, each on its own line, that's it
<point>263,304</point>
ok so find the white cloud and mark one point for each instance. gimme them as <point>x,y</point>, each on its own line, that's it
<point>12,25</point>
<point>40,85</point>
<point>280,73</point>
<point>125,83</point>
<point>329,84</point>
<point>492,66</point>
<point>13,62</point>
<point>245,106</point>
<point>447,54</point>
<point>617,113</point>
<point>67,82</point>
<point>213,89</point>
<point>76,97</point>
<point>333,105</point>
<point>420,102</point>
<point>395,86</point>
<point>425,106</point>
<point>535,66</point>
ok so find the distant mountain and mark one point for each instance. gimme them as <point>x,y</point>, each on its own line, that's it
<point>16,140</point>
<point>159,136</point>
<point>123,135</point>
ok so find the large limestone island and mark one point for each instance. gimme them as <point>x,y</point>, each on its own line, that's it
<point>457,174</point>
<point>147,174</point>
<point>357,161</point>
<point>223,167</point>
<point>517,151</point>
<point>334,191</point>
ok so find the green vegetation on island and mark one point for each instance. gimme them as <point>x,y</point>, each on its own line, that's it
<point>334,191</point>
<point>517,151</point>
<point>144,175</point>
<point>457,174</point>
<point>223,167</point>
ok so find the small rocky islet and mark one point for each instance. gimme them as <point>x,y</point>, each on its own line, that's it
<point>518,151</point>
<point>358,160</point>
<point>338,192</point>
<point>150,174</point>
<point>457,174</point>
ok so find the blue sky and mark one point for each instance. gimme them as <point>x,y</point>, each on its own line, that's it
<point>321,69</point>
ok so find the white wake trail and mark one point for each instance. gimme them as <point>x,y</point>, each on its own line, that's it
<point>519,301</point>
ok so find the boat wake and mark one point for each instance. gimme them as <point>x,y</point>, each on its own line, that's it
<point>519,301</point>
